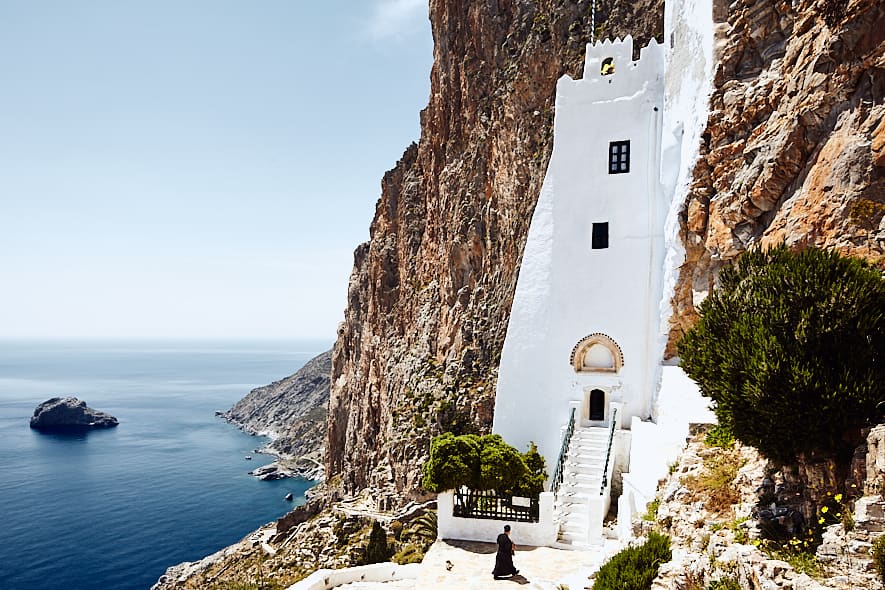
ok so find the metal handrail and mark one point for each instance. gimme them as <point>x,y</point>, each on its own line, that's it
<point>608,451</point>
<point>558,473</point>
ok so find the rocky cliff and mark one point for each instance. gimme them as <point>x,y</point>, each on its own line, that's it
<point>430,293</point>
<point>292,413</point>
<point>794,149</point>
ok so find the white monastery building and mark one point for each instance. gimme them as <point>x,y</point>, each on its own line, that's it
<point>581,370</point>
<point>585,320</point>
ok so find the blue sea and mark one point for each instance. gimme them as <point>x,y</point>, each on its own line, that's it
<point>112,509</point>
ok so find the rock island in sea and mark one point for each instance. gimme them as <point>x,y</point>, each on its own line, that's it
<point>69,413</point>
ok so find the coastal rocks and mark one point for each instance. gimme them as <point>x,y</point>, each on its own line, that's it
<point>303,468</point>
<point>292,413</point>
<point>69,414</point>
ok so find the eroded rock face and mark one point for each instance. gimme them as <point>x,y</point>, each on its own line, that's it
<point>430,293</point>
<point>794,149</point>
<point>67,414</point>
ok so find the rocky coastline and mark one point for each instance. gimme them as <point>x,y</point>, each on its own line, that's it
<point>291,413</point>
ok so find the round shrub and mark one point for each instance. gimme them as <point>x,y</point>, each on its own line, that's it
<point>790,347</point>
<point>482,463</point>
<point>636,567</point>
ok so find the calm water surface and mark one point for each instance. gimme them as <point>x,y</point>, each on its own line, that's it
<point>111,509</point>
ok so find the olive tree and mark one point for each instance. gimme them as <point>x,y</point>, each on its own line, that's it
<point>790,347</point>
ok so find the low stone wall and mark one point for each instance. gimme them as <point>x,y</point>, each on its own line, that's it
<point>377,572</point>
<point>537,534</point>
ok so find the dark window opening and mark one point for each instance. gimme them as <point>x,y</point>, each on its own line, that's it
<point>599,239</point>
<point>597,404</point>
<point>608,66</point>
<point>619,157</point>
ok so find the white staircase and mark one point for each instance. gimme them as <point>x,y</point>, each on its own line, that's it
<point>579,502</point>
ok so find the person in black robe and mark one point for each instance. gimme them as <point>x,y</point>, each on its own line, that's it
<point>504,557</point>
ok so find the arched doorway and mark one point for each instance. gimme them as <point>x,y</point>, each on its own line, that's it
<point>597,405</point>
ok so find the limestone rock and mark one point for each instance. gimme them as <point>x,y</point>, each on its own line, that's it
<point>292,413</point>
<point>69,413</point>
<point>795,143</point>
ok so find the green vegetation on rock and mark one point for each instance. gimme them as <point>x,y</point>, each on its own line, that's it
<point>878,553</point>
<point>635,567</point>
<point>377,550</point>
<point>790,348</point>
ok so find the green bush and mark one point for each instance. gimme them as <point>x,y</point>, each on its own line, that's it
<point>453,462</point>
<point>651,512</point>
<point>425,529</point>
<point>719,436</point>
<point>724,584</point>
<point>408,554</point>
<point>878,553</point>
<point>635,568</point>
<point>483,463</point>
<point>377,550</point>
<point>790,347</point>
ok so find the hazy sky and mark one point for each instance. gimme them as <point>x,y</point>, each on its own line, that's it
<point>196,168</point>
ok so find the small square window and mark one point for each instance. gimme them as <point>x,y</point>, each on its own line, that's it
<point>619,157</point>
<point>599,239</point>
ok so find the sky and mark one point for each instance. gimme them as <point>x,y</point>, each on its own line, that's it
<point>196,169</point>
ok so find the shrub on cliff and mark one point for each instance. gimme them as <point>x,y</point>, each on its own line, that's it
<point>790,347</point>
<point>377,550</point>
<point>635,567</point>
<point>483,463</point>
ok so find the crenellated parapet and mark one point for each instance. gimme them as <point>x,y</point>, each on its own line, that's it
<point>611,73</point>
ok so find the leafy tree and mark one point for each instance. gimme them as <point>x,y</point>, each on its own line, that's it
<point>454,461</point>
<point>502,467</point>
<point>790,347</point>
<point>377,550</point>
<point>482,463</point>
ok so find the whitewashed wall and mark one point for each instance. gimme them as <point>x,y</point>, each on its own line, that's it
<point>654,446</point>
<point>566,290</point>
<point>536,534</point>
<point>689,40</point>
<point>326,579</point>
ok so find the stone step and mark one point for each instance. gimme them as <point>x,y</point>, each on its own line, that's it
<point>586,458</point>
<point>586,489</point>
<point>575,467</point>
<point>583,478</point>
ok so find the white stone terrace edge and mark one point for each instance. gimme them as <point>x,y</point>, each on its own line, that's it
<point>326,579</point>
<point>538,534</point>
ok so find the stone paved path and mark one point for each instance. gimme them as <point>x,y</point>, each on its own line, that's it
<point>541,568</point>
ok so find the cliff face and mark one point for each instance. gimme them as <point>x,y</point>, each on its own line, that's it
<point>430,293</point>
<point>291,411</point>
<point>794,148</point>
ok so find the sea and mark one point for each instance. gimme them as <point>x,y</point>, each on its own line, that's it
<point>112,509</point>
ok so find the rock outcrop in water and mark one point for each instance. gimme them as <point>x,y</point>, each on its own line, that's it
<point>67,414</point>
<point>292,413</point>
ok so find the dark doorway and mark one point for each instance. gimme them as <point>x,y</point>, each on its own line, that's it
<point>597,404</point>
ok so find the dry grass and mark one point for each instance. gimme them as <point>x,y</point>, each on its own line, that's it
<point>715,483</point>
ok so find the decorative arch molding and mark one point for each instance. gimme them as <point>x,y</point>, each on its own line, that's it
<point>597,353</point>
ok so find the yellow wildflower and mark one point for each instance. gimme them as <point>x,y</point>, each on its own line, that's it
<point>824,510</point>
<point>838,497</point>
